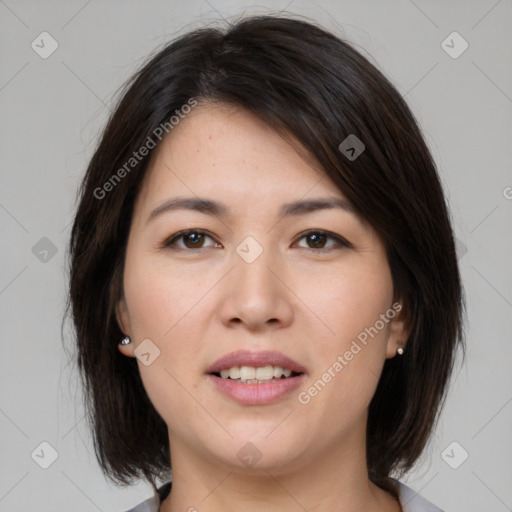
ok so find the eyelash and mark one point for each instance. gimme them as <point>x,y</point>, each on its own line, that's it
<point>169,243</point>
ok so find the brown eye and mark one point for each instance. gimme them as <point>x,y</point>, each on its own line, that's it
<point>195,240</point>
<point>192,239</point>
<point>316,241</point>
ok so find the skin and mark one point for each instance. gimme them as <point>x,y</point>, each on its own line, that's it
<point>197,305</point>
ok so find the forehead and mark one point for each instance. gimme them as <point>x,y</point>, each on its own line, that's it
<point>225,150</point>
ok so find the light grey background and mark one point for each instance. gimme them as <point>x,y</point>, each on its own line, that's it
<point>52,110</point>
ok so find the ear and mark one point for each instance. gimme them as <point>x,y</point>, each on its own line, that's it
<point>123,319</point>
<point>399,330</point>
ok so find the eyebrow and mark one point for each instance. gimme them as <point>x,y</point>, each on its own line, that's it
<point>214,208</point>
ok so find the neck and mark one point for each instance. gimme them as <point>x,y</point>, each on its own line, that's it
<point>335,479</point>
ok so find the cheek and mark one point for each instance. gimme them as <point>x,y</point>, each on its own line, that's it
<point>161,296</point>
<point>347,300</point>
<point>164,306</point>
<point>351,340</point>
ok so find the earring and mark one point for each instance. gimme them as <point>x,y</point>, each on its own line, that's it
<point>126,341</point>
<point>400,351</point>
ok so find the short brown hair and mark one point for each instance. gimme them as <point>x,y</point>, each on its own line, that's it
<point>309,83</point>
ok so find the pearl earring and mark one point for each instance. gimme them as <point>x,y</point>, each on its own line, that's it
<point>126,341</point>
<point>400,350</point>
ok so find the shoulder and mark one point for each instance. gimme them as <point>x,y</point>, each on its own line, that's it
<point>411,501</point>
<point>149,505</point>
<point>153,504</point>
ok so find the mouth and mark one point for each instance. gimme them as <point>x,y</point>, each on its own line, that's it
<point>256,378</point>
<point>256,375</point>
<point>247,365</point>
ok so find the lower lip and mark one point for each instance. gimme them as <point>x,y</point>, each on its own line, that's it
<point>257,394</point>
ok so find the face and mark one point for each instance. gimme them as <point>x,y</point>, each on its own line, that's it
<point>313,285</point>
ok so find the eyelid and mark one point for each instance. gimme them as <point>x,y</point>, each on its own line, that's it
<point>167,244</point>
<point>341,242</point>
<point>339,239</point>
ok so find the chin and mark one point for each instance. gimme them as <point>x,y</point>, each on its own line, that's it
<point>255,451</point>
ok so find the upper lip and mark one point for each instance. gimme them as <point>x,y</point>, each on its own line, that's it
<point>255,359</point>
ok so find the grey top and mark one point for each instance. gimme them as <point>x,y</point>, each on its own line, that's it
<point>409,500</point>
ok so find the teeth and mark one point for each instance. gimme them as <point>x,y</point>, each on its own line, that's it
<point>253,375</point>
<point>246,373</point>
<point>264,372</point>
<point>234,373</point>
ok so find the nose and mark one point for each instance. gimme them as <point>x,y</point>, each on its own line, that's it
<point>256,294</point>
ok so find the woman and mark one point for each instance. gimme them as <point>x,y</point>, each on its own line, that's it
<point>263,278</point>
